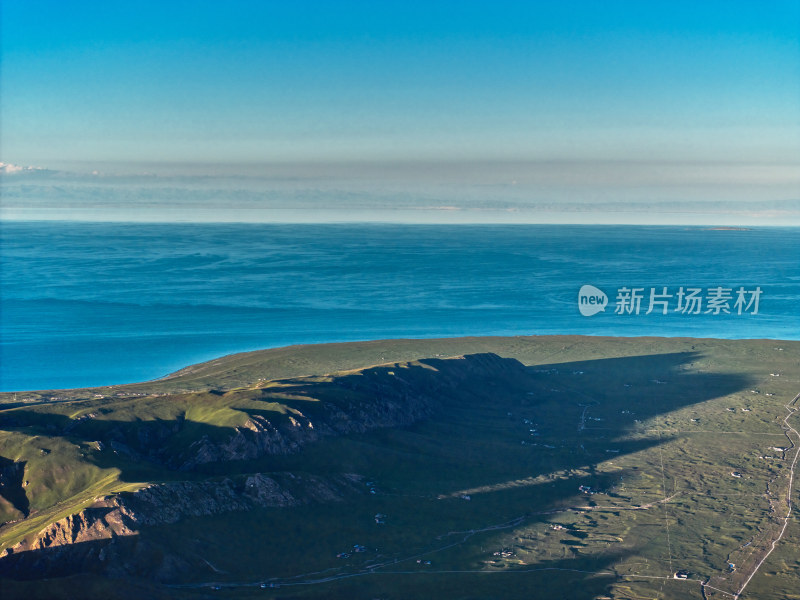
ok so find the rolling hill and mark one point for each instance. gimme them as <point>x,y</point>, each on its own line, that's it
<point>554,466</point>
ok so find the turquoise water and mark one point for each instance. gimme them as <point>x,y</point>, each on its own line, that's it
<point>97,304</point>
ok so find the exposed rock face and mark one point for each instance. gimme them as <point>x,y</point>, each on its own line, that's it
<point>374,398</point>
<point>105,537</point>
<point>380,404</point>
<point>82,541</point>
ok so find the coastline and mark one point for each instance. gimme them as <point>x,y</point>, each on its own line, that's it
<point>247,368</point>
<point>187,294</point>
<point>539,430</point>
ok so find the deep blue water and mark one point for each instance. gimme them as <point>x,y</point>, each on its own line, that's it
<point>96,304</point>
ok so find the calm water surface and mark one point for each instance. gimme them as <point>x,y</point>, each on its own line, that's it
<point>97,304</point>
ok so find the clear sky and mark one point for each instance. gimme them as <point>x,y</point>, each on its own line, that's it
<point>240,83</point>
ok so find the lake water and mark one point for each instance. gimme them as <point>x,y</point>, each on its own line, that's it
<point>87,304</point>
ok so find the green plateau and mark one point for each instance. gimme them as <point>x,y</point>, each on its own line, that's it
<point>462,468</point>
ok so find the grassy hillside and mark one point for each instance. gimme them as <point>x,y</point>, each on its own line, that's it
<point>249,368</point>
<point>602,464</point>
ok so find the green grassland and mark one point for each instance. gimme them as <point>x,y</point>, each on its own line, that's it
<point>599,470</point>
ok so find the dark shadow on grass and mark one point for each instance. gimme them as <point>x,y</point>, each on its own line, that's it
<point>12,486</point>
<point>422,431</point>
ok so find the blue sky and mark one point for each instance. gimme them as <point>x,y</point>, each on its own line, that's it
<point>101,85</point>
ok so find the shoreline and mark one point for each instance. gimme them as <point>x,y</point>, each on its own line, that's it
<point>207,370</point>
<point>524,425</point>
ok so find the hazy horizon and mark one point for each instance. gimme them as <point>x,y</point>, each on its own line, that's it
<point>557,191</point>
<point>663,112</point>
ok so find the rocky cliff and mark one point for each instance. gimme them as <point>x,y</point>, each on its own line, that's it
<point>104,537</point>
<point>85,540</point>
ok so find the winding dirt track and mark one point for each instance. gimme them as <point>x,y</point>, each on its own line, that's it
<point>792,408</point>
<point>373,569</point>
